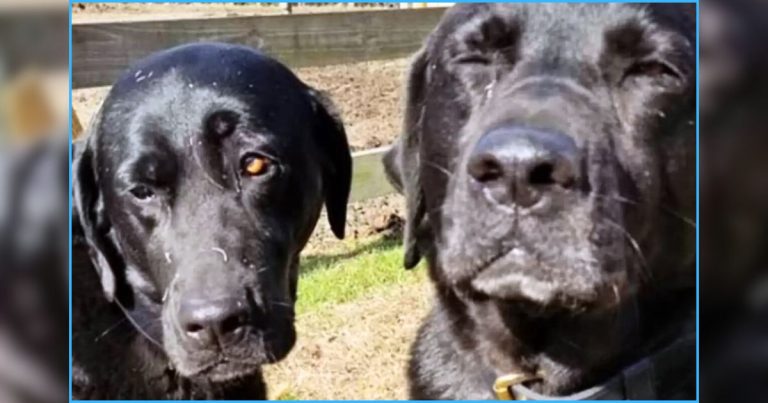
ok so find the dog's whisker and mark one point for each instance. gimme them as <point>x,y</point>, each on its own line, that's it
<point>663,208</point>
<point>572,344</point>
<point>635,245</point>
<point>222,252</point>
<point>110,329</point>
<point>440,168</point>
<point>281,303</point>
<point>137,326</point>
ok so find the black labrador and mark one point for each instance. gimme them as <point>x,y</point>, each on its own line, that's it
<point>548,164</point>
<point>200,182</point>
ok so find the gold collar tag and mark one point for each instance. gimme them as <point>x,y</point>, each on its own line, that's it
<point>503,385</point>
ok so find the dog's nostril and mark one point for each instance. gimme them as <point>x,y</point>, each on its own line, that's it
<point>209,321</point>
<point>193,328</point>
<point>485,168</point>
<point>232,324</point>
<point>523,165</point>
<point>542,174</point>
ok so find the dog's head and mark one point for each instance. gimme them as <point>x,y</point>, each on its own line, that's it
<point>548,153</point>
<point>202,179</point>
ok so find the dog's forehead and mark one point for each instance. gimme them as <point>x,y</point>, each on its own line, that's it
<point>168,97</point>
<point>175,107</point>
<point>565,28</point>
<point>230,68</point>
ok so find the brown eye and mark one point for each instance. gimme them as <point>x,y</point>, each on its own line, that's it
<point>255,165</point>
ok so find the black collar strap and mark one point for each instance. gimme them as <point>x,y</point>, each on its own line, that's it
<point>662,374</point>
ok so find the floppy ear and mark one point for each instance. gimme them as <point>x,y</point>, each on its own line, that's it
<point>337,161</point>
<point>90,222</point>
<point>401,162</point>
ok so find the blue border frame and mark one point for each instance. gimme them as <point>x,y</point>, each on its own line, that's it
<point>698,287</point>
<point>69,202</point>
<point>698,29</point>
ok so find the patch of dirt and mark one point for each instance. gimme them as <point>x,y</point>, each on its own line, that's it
<point>107,12</point>
<point>378,216</point>
<point>86,103</point>
<point>357,350</point>
<point>368,95</point>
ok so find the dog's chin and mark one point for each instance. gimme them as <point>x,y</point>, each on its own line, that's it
<point>506,282</point>
<point>226,371</point>
<point>233,365</point>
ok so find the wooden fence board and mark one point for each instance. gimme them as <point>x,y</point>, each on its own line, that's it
<point>100,51</point>
<point>369,179</point>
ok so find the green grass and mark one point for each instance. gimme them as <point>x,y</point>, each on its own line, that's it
<point>350,271</point>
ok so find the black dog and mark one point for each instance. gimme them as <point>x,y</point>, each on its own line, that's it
<point>548,165</point>
<point>202,179</point>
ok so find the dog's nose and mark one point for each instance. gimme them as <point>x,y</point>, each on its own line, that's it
<point>221,320</point>
<point>520,165</point>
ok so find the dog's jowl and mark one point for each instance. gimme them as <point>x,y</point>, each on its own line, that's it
<point>548,165</point>
<point>201,180</point>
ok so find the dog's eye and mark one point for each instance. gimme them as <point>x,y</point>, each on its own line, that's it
<point>473,58</point>
<point>142,192</point>
<point>652,69</point>
<point>255,165</point>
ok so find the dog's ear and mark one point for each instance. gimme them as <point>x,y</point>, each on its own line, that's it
<point>337,160</point>
<point>91,224</point>
<point>401,162</point>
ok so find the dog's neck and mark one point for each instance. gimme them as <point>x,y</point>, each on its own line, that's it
<point>567,352</point>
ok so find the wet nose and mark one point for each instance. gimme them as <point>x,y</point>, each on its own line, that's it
<point>521,165</point>
<point>210,321</point>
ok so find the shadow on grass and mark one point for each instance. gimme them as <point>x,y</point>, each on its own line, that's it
<point>314,262</point>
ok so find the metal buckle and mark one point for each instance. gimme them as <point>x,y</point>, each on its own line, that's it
<point>503,384</point>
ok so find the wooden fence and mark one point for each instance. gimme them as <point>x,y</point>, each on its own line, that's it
<point>100,51</point>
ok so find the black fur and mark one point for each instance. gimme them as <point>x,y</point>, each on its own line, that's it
<point>165,214</point>
<point>599,272</point>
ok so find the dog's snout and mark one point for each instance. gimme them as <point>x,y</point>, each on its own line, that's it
<point>521,165</point>
<point>221,320</point>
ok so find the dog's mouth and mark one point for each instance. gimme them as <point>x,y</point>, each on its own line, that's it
<point>226,365</point>
<point>518,277</point>
<point>224,369</point>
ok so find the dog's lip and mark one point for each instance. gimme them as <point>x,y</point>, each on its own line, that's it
<point>225,369</point>
<point>499,280</point>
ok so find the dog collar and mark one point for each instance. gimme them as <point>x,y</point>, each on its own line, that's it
<point>665,372</point>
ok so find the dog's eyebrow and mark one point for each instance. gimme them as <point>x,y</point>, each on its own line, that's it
<point>629,39</point>
<point>488,31</point>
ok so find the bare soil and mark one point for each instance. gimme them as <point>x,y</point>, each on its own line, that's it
<point>369,96</point>
<point>358,350</point>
